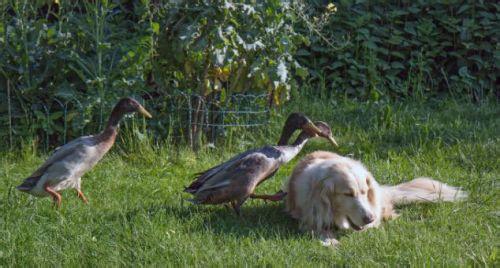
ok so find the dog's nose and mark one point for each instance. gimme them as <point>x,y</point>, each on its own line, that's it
<point>368,218</point>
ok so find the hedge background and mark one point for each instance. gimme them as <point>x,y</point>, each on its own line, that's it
<point>63,64</point>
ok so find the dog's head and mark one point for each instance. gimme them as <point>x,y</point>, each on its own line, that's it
<point>351,192</point>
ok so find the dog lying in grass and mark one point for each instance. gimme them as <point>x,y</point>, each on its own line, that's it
<point>328,191</point>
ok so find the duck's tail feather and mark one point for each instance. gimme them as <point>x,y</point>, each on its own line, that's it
<point>193,201</point>
<point>199,180</point>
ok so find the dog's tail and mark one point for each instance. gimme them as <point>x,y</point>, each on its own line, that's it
<point>423,190</point>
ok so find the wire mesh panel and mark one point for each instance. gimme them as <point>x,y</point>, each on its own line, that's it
<point>177,117</point>
<point>59,120</point>
<point>192,114</point>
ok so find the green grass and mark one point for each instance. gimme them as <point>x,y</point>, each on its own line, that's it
<point>137,215</point>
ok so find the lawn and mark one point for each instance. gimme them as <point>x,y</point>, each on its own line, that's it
<point>137,214</point>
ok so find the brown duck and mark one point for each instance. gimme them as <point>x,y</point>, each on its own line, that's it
<point>235,180</point>
<point>68,163</point>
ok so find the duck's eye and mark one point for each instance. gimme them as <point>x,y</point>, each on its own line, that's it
<point>349,194</point>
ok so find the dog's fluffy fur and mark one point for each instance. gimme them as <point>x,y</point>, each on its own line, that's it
<point>328,191</point>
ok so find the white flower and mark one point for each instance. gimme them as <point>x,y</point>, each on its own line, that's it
<point>331,8</point>
<point>282,72</point>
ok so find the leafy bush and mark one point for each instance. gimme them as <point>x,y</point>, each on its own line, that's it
<point>229,47</point>
<point>66,62</point>
<point>401,48</point>
<point>218,48</point>
<point>63,64</point>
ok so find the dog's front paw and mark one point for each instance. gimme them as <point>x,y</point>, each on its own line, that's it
<point>329,242</point>
<point>327,239</point>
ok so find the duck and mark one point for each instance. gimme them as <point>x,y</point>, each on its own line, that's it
<point>234,181</point>
<point>68,163</point>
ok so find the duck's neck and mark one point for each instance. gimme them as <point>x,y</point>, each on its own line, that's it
<point>287,132</point>
<point>290,151</point>
<point>108,135</point>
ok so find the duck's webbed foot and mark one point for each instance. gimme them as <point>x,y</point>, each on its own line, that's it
<point>81,196</point>
<point>56,197</point>
<point>280,195</point>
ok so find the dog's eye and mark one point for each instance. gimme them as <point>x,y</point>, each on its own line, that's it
<point>349,194</point>
<point>363,192</point>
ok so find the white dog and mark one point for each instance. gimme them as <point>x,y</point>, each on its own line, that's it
<point>327,190</point>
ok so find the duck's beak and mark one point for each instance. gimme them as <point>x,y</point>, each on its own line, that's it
<point>144,112</point>
<point>310,126</point>
<point>332,140</point>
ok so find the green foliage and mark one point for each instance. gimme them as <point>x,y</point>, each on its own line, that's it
<point>214,49</point>
<point>65,65</point>
<point>229,47</point>
<point>402,48</point>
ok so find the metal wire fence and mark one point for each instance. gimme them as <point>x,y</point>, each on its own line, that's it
<point>178,116</point>
<point>212,115</point>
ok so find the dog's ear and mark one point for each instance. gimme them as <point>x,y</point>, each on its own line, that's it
<point>328,184</point>
<point>371,190</point>
<point>317,211</point>
<point>326,187</point>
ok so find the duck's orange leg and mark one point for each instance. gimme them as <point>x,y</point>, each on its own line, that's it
<point>55,195</point>
<point>82,197</point>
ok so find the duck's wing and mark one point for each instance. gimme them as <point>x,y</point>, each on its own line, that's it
<point>202,177</point>
<point>248,162</point>
<point>59,154</point>
<point>238,180</point>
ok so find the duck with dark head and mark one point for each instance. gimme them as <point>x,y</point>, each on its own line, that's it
<point>234,181</point>
<point>68,163</point>
<point>300,121</point>
<point>303,137</point>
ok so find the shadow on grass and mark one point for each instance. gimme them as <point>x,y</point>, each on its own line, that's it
<point>266,220</point>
